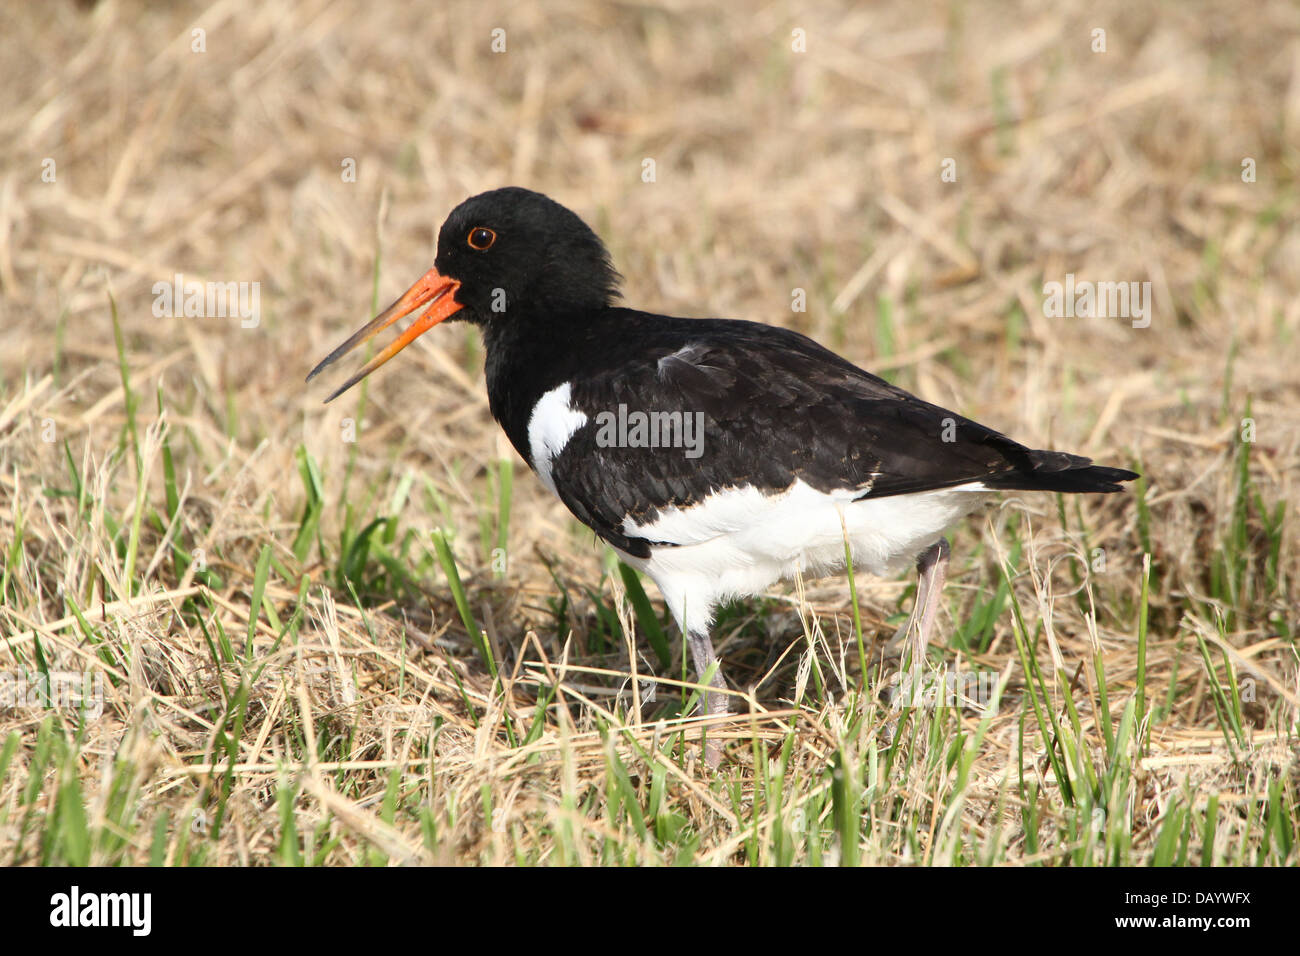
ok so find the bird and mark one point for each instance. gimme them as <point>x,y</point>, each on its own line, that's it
<point>715,456</point>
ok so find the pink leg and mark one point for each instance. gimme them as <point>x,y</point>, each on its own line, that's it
<point>932,566</point>
<point>711,703</point>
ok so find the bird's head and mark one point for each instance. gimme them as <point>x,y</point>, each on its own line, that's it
<point>503,256</point>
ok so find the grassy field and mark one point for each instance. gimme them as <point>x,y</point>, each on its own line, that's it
<point>364,634</point>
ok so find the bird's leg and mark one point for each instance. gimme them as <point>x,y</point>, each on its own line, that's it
<point>710,703</point>
<point>932,568</point>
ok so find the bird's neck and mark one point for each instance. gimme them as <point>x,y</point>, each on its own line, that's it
<point>528,356</point>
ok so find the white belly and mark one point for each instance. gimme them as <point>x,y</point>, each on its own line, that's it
<point>739,541</point>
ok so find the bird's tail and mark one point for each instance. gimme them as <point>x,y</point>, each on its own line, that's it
<point>1058,471</point>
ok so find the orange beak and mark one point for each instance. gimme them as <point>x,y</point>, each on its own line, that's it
<point>436,290</point>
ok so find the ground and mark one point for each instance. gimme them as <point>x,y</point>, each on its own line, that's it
<point>363,633</point>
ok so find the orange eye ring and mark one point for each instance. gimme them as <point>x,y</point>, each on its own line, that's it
<point>481,238</point>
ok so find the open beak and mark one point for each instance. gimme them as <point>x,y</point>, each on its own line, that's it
<point>434,289</point>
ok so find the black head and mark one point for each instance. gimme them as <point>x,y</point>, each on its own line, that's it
<point>515,249</point>
<point>509,255</point>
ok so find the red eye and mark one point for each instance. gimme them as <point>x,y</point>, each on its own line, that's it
<point>481,238</point>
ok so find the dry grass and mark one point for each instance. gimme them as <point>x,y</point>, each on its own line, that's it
<point>326,708</point>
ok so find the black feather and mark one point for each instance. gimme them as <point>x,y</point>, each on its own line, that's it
<point>1087,478</point>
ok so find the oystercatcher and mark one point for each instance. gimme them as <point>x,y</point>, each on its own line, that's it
<point>716,456</point>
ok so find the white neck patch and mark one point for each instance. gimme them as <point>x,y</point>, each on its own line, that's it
<point>553,422</point>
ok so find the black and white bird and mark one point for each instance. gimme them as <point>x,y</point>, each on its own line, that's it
<point>716,456</point>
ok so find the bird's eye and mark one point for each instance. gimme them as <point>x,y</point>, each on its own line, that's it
<point>481,238</point>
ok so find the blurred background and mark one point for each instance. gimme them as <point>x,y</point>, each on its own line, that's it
<point>918,170</point>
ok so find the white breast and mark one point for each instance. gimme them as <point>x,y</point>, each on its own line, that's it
<point>553,422</point>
